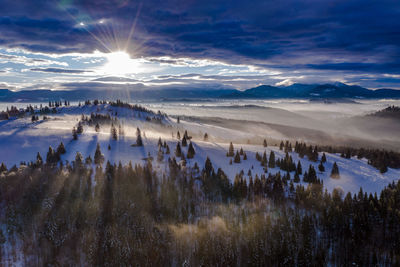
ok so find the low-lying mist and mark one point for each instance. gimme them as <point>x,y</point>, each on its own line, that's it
<point>323,122</point>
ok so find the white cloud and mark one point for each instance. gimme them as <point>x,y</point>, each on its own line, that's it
<point>286,82</point>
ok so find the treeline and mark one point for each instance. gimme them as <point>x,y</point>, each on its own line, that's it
<point>389,112</point>
<point>379,158</point>
<point>80,213</point>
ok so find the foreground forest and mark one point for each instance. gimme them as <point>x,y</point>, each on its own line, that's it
<point>56,216</point>
<point>169,203</point>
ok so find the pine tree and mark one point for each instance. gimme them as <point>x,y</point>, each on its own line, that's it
<point>271,161</point>
<point>78,159</point>
<point>167,151</point>
<point>237,157</point>
<point>335,171</point>
<point>244,156</point>
<point>296,178</point>
<point>281,145</point>
<point>178,135</point>
<point>178,150</point>
<point>61,149</point>
<point>88,160</point>
<point>98,157</point>
<point>183,159</point>
<point>3,168</point>
<point>114,134</point>
<point>97,127</point>
<point>265,143</point>
<point>323,158</point>
<point>139,141</point>
<point>205,137</point>
<point>321,167</point>
<point>231,151</point>
<point>160,155</point>
<point>52,157</point>
<point>74,134</point>
<point>184,141</point>
<point>191,152</point>
<point>299,169</point>
<point>79,130</point>
<point>39,160</point>
<point>208,168</point>
<point>264,161</point>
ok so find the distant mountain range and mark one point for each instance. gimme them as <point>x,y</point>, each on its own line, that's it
<point>308,91</point>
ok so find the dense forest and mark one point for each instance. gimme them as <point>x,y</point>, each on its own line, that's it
<point>80,213</point>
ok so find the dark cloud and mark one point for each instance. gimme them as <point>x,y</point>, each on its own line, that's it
<point>60,70</point>
<point>337,35</point>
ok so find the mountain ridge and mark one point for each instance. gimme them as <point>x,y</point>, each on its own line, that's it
<point>297,90</point>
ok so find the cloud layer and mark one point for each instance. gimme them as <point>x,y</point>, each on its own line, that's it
<point>358,40</point>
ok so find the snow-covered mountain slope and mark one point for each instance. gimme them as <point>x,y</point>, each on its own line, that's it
<point>21,139</point>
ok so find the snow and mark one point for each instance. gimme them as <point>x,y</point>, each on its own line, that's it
<point>20,140</point>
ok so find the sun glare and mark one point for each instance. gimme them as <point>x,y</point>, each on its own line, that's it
<point>119,63</point>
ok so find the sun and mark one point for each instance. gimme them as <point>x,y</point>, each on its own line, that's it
<point>120,63</point>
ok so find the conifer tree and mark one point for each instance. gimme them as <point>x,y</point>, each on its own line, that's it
<point>205,137</point>
<point>271,161</point>
<point>264,161</point>
<point>191,152</point>
<point>323,158</point>
<point>88,160</point>
<point>178,150</point>
<point>265,143</point>
<point>281,145</point>
<point>183,160</point>
<point>237,157</point>
<point>321,167</point>
<point>167,151</point>
<point>184,141</point>
<point>244,156</point>
<point>299,169</point>
<point>178,135</point>
<point>139,141</point>
<point>39,160</point>
<point>97,127</point>
<point>98,157</point>
<point>79,130</point>
<point>61,149</point>
<point>160,155</point>
<point>335,171</point>
<point>74,134</point>
<point>114,134</point>
<point>231,151</point>
<point>3,168</point>
<point>78,159</point>
<point>296,178</point>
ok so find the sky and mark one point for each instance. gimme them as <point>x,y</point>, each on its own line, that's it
<point>213,44</point>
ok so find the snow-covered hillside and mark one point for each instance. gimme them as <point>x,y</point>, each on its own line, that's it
<point>21,139</point>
